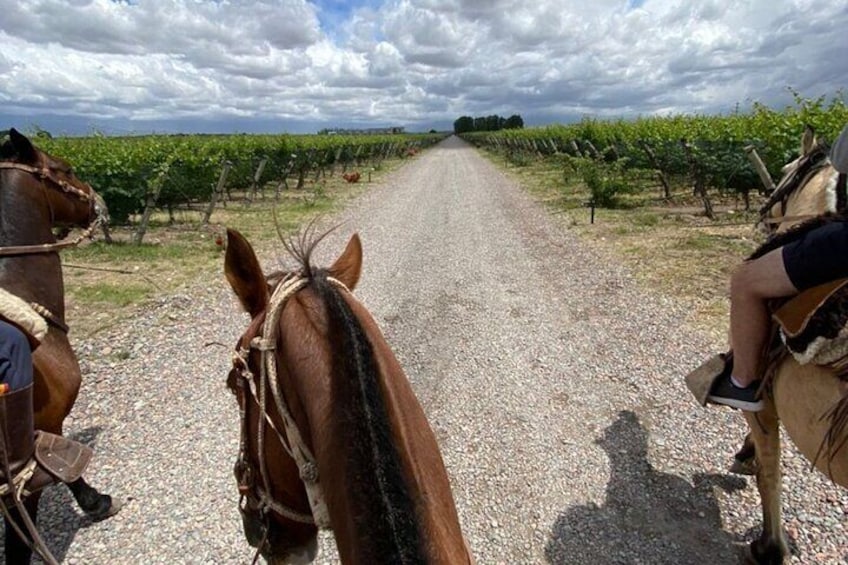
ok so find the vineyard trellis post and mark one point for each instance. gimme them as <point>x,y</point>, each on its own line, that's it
<point>256,178</point>
<point>218,192</point>
<point>700,185</point>
<point>304,166</point>
<point>152,196</point>
<point>336,159</point>
<point>760,167</point>
<point>575,148</point>
<point>592,150</point>
<point>284,180</point>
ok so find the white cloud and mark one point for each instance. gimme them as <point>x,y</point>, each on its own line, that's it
<point>411,62</point>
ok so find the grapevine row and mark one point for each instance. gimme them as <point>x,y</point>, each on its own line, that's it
<point>711,148</point>
<point>182,169</point>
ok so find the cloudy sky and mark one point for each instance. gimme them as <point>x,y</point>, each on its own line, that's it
<point>135,66</point>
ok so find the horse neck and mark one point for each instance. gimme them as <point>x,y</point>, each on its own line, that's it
<point>816,197</point>
<point>25,220</point>
<point>381,473</point>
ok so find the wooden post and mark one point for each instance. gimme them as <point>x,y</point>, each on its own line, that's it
<point>700,187</point>
<point>219,190</point>
<point>154,189</point>
<point>256,176</point>
<point>760,167</point>
<point>575,148</point>
<point>284,181</point>
<point>336,159</point>
<point>594,152</point>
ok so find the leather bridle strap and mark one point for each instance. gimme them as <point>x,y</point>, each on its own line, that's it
<point>45,174</point>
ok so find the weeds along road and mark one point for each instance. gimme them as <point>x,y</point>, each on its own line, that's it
<point>553,382</point>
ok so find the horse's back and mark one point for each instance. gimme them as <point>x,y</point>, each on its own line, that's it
<point>803,395</point>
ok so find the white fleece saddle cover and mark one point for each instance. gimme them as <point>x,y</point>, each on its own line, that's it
<point>17,311</point>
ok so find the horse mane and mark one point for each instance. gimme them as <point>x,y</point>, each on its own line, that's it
<point>371,457</point>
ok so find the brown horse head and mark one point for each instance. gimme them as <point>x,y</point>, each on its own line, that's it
<point>332,433</point>
<point>45,185</point>
<point>806,189</point>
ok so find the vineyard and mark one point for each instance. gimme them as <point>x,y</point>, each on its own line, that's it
<point>710,153</point>
<point>137,174</point>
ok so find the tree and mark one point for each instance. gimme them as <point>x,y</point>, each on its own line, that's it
<point>514,122</point>
<point>464,124</point>
<point>494,122</point>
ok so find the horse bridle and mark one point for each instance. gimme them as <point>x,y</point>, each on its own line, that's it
<point>49,179</point>
<point>258,495</point>
<point>808,166</point>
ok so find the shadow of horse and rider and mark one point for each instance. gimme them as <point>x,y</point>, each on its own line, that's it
<point>648,516</point>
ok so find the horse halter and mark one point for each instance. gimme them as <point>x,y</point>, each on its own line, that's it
<point>291,438</point>
<point>48,179</point>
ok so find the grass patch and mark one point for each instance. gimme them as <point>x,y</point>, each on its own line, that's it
<point>110,294</point>
<point>107,282</point>
<point>668,244</point>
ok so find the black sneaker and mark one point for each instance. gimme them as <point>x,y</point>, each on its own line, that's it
<point>725,392</point>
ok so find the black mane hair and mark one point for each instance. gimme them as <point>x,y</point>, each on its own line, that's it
<point>390,530</point>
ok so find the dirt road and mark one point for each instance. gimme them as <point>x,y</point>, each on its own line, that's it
<point>553,382</point>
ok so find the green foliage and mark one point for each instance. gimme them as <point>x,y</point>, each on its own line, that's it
<point>125,170</point>
<point>717,143</point>
<point>605,181</point>
<point>467,124</point>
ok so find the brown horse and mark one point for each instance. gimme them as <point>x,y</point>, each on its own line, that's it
<point>332,433</point>
<point>805,398</point>
<point>38,193</point>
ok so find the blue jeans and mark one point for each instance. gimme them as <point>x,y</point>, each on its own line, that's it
<point>15,357</point>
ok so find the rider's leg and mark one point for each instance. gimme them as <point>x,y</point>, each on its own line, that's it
<point>751,285</point>
<point>15,358</point>
<point>62,459</point>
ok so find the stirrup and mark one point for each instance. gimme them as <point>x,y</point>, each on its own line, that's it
<point>700,381</point>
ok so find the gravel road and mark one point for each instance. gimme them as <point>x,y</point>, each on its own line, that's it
<point>553,381</point>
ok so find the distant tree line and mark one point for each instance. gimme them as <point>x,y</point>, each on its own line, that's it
<point>467,124</point>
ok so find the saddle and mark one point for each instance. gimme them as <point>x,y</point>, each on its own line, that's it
<point>814,325</point>
<point>813,328</point>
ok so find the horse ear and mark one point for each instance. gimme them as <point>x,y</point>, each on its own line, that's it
<point>23,147</point>
<point>241,267</point>
<point>348,266</point>
<point>808,140</point>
